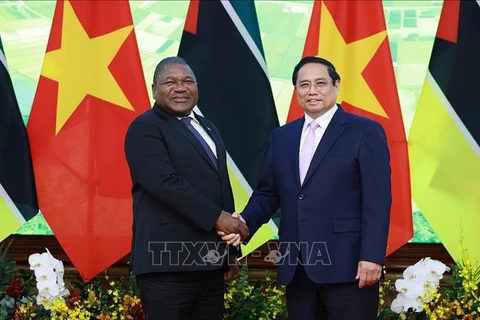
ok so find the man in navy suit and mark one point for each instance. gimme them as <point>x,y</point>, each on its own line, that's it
<point>329,172</point>
<point>181,197</point>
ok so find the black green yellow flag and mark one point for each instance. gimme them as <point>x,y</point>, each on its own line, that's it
<point>221,42</point>
<point>445,135</point>
<point>18,200</point>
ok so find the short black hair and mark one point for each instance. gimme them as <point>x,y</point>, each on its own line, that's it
<point>165,63</point>
<point>311,59</point>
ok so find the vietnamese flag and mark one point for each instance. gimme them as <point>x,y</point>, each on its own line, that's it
<point>352,35</point>
<point>91,87</point>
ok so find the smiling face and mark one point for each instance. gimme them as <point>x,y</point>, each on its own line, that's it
<point>316,93</point>
<point>175,89</point>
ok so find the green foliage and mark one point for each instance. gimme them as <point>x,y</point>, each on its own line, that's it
<point>262,300</point>
<point>7,266</point>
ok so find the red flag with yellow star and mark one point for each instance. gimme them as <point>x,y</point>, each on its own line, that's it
<point>352,35</point>
<point>91,87</point>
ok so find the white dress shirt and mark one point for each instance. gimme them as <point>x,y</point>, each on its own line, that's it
<point>197,126</point>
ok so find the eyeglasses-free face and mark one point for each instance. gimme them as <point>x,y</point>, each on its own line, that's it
<point>176,90</point>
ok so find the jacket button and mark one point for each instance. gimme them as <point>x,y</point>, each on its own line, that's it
<point>300,197</point>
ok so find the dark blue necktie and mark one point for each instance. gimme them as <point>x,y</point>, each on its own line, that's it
<point>187,122</point>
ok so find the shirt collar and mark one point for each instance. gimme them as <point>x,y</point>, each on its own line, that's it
<point>191,115</point>
<point>323,120</point>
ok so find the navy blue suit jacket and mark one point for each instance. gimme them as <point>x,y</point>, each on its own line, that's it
<point>340,215</point>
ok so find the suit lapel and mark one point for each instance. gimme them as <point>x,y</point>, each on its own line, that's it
<point>221,161</point>
<point>294,149</point>
<point>181,128</point>
<point>331,135</point>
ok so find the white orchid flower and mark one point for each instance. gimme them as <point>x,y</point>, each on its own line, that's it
<point>60,282</point>
<point>49,273</point>
<point>412,288</point>
<point>64,292</point>
<point>436,268</point>
<point>397,306</point>
<point>419,285</point>
<point>58,266</point>
<point>49,287</point>
<point>45,274</point>
<point>37,260</point>
<point>403,302</point>
<point>414,272</point>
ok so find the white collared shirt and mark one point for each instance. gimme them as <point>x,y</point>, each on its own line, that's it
<point>323,121</point>
<point>197,126</point>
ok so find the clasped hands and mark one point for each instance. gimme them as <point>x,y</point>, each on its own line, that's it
<point>232,228</point>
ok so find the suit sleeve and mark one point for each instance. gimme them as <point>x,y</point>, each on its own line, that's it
<point>374,162</point>
<point>150,166</point>
<point>265,200</point>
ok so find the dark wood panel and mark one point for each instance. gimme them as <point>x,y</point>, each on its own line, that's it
<point>410,253</point>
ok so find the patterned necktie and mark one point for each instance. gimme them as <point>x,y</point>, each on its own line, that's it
<point>307,150</point>
<point>208,150</point>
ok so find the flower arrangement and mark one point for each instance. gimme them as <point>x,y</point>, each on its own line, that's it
<point>102,299</point>
<point>49,275</point>
<point>419,285</point>
<point>43,294</point>
<point>420,295</point>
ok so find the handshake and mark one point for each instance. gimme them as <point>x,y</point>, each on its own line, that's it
<point>232,228</point>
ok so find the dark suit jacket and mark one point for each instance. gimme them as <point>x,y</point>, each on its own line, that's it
<point>340,215</point>
<point>177,195</point>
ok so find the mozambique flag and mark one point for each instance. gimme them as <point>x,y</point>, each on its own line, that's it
<point>221,42</point>
<point>18,199</point>
<point>445,134</point>
<point>91,87</point>
<point>352,35</point>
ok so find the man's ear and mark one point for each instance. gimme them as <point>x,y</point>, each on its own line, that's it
<point>153,91</point>
<point>337,85</point>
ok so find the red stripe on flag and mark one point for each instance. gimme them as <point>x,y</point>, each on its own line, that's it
<point>191,21</point>
<point>448,24</point>
<point>55,39</point>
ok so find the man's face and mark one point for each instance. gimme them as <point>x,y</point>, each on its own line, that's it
<point>316,93</point>
<point>176,90</point>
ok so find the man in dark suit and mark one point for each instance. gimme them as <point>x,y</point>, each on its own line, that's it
<point>181,197</point>
<point>330,173</point>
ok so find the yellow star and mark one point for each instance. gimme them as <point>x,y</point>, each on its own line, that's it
<point>80,67</point>
<point>350,60</point>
